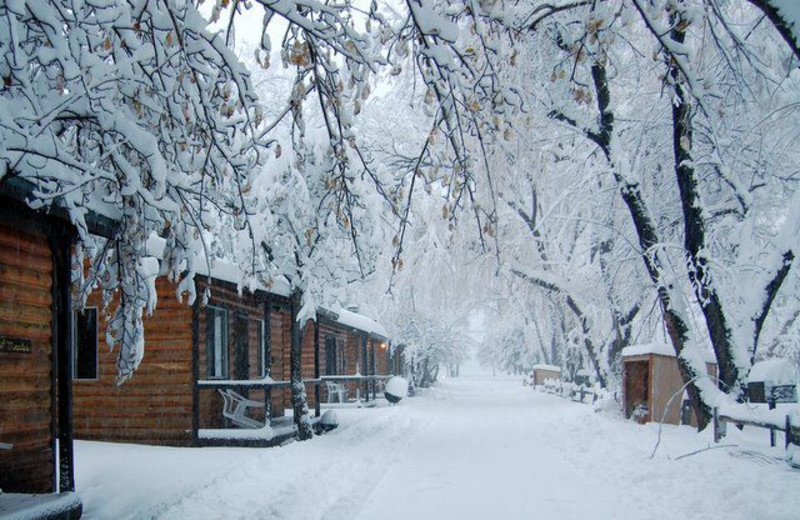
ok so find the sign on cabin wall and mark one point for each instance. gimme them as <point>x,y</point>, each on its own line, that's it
<point>15,346</point>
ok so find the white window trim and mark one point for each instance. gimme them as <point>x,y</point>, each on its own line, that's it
<point>225,362</point>
<point>262,353</point>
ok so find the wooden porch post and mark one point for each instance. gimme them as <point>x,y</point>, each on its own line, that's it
<point>316,368</point>
<point>195,372</point>
<point>61,238</point>
<point>267,368</point>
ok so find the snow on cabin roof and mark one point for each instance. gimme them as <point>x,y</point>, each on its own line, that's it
<point>660,349</point>
<point>221,270</point>
<point>360,322</point>
<point>551,368</point>
<point>643,349</point>
<point>773,372</point>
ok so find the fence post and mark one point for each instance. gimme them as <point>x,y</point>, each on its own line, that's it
<point>717,433</point>
<point>790,437</point>
<point>771,405</point>
<point>582,393</point>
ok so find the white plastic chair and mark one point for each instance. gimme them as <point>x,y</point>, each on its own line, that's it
<point>235,409</point>
<point>336,390</point>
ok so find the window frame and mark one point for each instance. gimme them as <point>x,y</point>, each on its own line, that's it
<point>211,311</point>
<point>263,365</point>
<point>331,356</point>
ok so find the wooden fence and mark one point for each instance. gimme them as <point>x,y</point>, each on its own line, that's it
<point>721,420</point>
<point>577,393</point>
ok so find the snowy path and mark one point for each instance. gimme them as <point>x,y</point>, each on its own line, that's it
<point>472,448</point>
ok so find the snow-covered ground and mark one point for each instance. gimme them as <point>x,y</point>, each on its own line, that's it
<point>474,447</point>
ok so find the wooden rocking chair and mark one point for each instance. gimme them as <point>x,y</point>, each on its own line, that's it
<point>235,409</point>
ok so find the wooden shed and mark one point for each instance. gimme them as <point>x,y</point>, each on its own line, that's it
<point>541,373</point>
<point>650,379</point>
<point>36,456</point>
<point>772,380</point>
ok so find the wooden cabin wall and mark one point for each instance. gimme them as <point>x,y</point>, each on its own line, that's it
<point>280,342</point>
<point>155,405</point>
<point>225,295</point>
<point>541,375</point>
<point>666,382</point>
<point>309,360</point>
<point>26,387</point>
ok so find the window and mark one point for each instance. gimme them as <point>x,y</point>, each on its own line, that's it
<point>217,343</point>
<point>340,361</point>
<point>330,356</point>
<point>84,344</point>
<point>261,342</point>
<point>241,360</point>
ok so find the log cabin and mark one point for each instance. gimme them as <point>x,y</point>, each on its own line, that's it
<point>239,341</point>
<point>36,435</point>
<point>652,385</point>
<point>354,350</point>
<point>192,352</point>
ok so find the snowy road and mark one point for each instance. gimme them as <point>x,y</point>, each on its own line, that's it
<point>473,448</point>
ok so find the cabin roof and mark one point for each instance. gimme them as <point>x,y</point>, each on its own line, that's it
<point>551,368</point>
<point>101,218</point>
<point>660,349</point>
<point>359,321</point>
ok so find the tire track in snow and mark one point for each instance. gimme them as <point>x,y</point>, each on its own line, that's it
<point>325,478</point>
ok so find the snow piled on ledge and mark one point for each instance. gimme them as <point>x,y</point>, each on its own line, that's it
<point>660,349</point>
<point>773,372</point>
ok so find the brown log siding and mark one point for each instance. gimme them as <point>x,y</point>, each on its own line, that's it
<point>26,272</point>
<point>155,406</point>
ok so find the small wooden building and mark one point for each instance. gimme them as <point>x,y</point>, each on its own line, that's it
<point>36,456</point>
<point>236,341</point>
<point>541,373</point>
<point>772,380</point>
<point>352,345</point>
<point>650,379</point>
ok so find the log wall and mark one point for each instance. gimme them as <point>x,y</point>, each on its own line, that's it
<point>155,405</point>
<point>26,379</point>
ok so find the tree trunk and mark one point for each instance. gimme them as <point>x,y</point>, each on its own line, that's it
<point>302,415</point>
<point>694,233</point>
<point>783,25</point>
<point>648,239</point>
